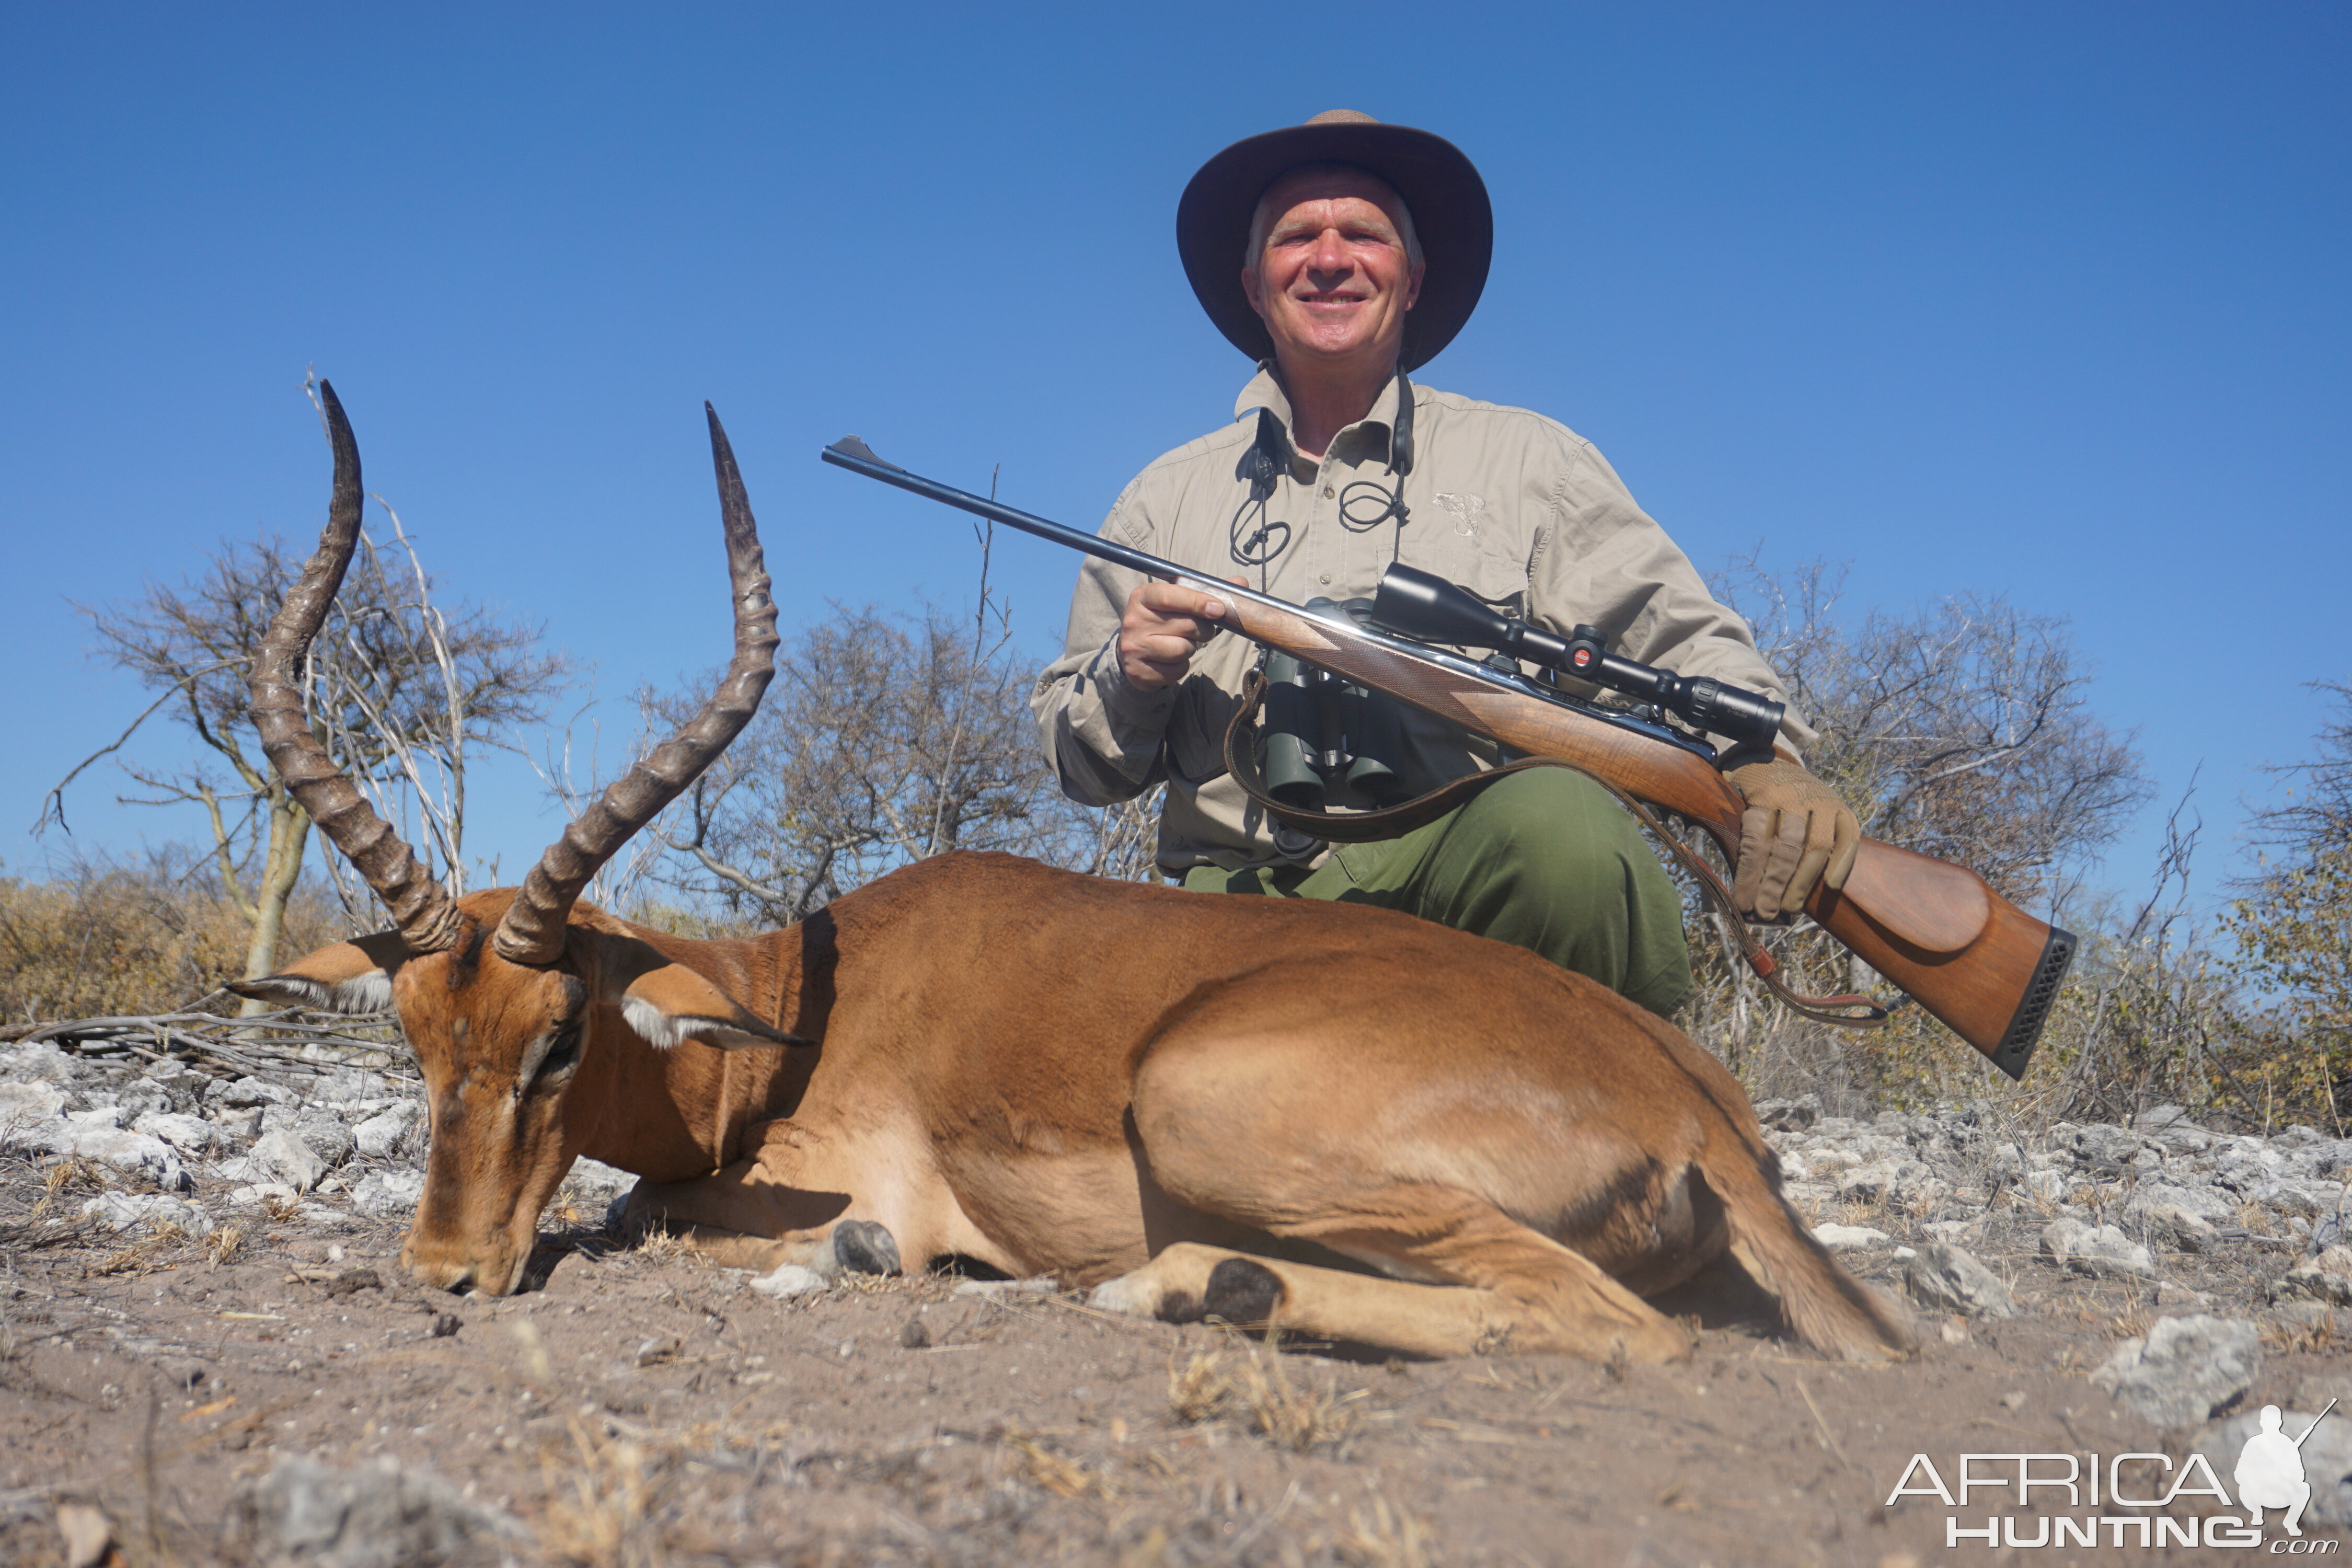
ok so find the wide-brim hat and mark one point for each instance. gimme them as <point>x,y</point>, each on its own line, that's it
<point>1451,216</point>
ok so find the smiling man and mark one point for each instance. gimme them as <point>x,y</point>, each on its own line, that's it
<point>1341,255</point>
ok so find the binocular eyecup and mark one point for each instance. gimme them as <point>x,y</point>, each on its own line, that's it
<point>1426,608</point>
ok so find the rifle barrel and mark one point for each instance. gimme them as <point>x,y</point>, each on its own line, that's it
<point>855,455</point>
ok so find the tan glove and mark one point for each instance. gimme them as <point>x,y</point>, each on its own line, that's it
<point>1796,832</point>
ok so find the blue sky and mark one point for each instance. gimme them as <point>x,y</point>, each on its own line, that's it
<point>2043,301</point>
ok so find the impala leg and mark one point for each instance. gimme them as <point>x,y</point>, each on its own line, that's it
<point>778,1206</point>
<point>1240,1115</point>
<point>1500,1286</point>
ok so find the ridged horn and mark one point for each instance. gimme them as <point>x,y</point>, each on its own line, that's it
<point>421,907</point>
<point>532,931</point>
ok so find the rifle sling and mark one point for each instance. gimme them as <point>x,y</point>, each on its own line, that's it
<point>1388,822</point>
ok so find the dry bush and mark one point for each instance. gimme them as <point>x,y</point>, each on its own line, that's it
<point>1964,730</point>
<point>107,938</point>
<point>1251,1386</point>
<point>883,740</point>
<point>1057,1473</point>
<point>599,1511</point>
<point>401,689</point>
<point>1379,1536</point>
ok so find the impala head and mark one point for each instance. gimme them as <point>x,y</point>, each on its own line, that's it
<point>517,1000</point>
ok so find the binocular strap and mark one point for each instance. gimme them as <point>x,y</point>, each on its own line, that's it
<point>1388,822</point>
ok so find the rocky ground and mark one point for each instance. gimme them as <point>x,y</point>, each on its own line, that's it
<point>206,1354</point>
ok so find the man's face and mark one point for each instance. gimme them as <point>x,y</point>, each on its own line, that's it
<point>1332,281</point>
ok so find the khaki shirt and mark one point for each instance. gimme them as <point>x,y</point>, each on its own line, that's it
<point>1511,505</point>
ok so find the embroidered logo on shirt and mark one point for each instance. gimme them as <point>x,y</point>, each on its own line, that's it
<point>1466,510</point>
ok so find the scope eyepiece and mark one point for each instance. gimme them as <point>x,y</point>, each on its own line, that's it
<point>1426,608</point>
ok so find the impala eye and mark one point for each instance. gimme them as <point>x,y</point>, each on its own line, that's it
<point>562,1052</point>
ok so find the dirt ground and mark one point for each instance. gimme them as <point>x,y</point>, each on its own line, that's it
<point>641,1407</point>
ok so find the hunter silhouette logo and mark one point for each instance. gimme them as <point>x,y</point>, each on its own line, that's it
<point>2270,1470</point>
<point>2132,1498</point>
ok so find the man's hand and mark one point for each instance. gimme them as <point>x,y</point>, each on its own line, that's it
<point>1164,627</point>
<point>1796,832</point>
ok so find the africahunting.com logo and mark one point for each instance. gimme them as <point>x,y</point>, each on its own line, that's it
<point>2127,1500</point>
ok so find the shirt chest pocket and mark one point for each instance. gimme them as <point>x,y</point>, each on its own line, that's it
<point>1458,536</point>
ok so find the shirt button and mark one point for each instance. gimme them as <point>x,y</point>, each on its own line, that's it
<point>1325,579</point>
<point>1326,492</point>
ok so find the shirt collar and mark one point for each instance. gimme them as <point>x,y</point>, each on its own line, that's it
<point>1264,391</point>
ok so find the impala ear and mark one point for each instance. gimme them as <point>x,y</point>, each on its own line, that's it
<point>346,977</point>
<point>671,1003</point>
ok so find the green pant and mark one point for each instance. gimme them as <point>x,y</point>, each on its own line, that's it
<point>1543,859</point>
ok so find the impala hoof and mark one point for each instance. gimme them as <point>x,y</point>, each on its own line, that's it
<point>865,1246</point>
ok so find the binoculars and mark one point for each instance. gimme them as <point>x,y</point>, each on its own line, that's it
<point>1427,608</point>
<point>1328,742</point>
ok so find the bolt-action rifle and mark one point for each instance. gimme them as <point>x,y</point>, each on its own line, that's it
<point>1968,955</point>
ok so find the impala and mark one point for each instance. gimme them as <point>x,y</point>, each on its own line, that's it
<point>1337,1121</point>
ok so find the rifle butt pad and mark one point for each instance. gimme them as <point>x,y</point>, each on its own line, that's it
<point>1993,987</point>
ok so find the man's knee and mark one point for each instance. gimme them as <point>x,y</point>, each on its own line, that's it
<point>1559,831</point>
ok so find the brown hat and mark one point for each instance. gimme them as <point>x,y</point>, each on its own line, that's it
<point>1451,215</point>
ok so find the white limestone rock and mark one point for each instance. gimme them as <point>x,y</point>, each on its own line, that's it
<point>790,1279</point>
<point>30,1116</point>
<point>189,1134</point>
<point>2184,1370</point>
<point>388,1132</point>
<point>118,1212</point>
<point>1950,1278</point>
<point>135,1154</point>
<point>288,1159</point>
<point>384,1194</point>
<point>2101,1252</point>
<point>2326,1277</point>
<point>1845,1237</point>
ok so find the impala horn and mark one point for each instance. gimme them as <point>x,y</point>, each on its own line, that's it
<point>532,931</point>
<point>420,905</point>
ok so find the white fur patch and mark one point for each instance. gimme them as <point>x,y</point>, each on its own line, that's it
<point>369,992</point>
<point>664,1030</point>
<point>653,1025</point>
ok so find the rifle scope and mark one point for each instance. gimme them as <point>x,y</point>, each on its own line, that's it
<point>1428,608</point>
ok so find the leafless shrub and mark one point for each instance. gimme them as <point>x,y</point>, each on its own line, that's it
<point>2293,928</point>
<point>1963,731</point>
<point>399,688</point>
<point>882,742</point>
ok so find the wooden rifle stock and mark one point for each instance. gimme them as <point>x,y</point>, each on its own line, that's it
<point>1972,957</point>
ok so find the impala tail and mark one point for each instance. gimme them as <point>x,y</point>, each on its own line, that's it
<point>1823,1305</point>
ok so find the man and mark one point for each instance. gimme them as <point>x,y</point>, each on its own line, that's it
<point>1341,255</point>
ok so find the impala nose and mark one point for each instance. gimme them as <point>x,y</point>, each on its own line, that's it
<point>455,1275</point>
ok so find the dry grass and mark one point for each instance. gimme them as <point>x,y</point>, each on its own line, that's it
<point>66,1173</point>
<point>1379,1536</point>
<point>143,1255</point>
<point>110,939</point>
<point>1056,1473</point>
<point>1251,1385</point>
<point>598,1511</point>
<point>2288,1335</point>
<point>224,1243</point>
